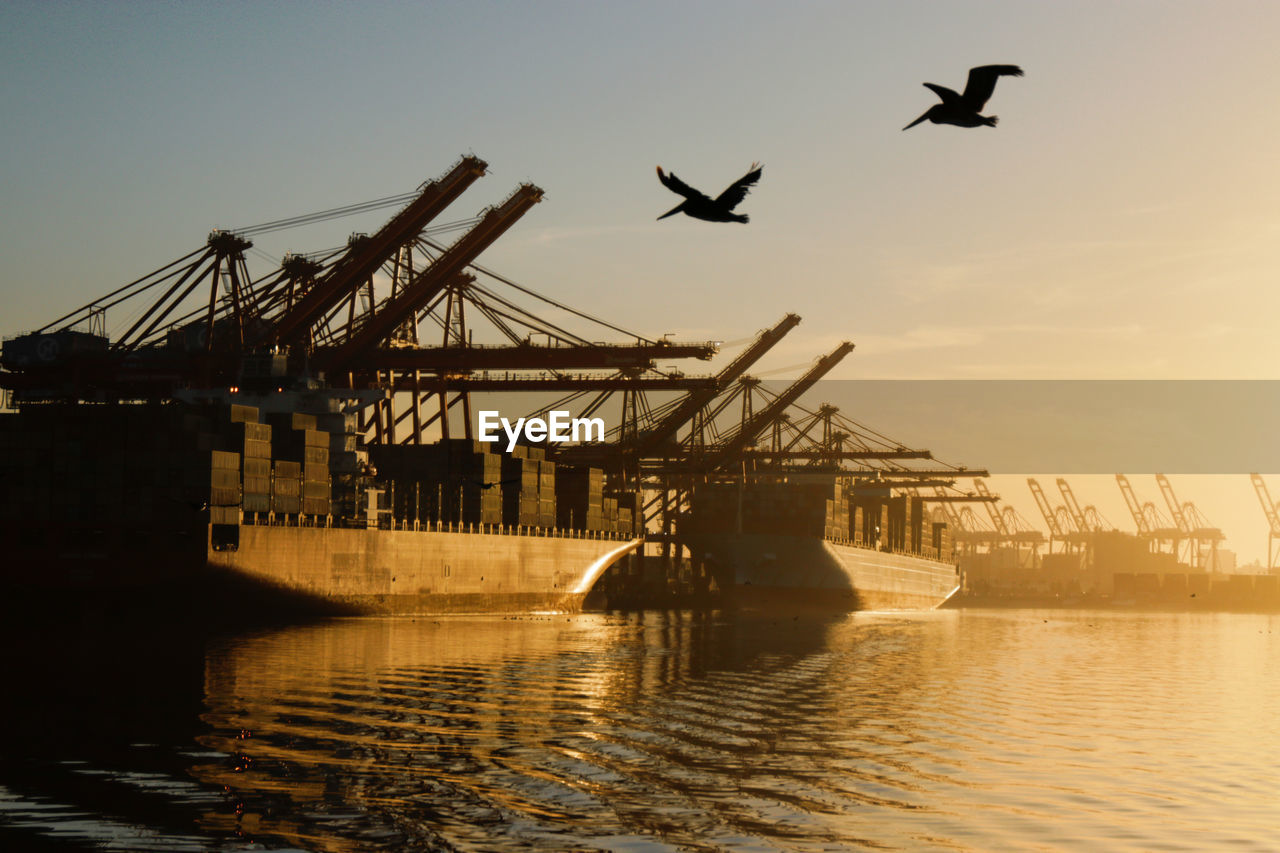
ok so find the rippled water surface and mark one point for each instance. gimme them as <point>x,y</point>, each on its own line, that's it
<point>983,730</point>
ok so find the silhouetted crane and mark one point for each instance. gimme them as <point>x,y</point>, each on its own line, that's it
<point>699,206</point>
<point>963,109</point>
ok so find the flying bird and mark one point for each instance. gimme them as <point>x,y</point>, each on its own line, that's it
<point>489,485</point>
<point>963,109</point>
<point>699,206</point>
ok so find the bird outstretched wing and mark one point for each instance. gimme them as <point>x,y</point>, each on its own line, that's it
<point>982,82</point>
<point>671,182</point>
<point>738,190</point>
<point>489,485</point>
<point>948,96</point>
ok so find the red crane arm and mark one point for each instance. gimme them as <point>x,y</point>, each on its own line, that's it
<point>364,257</point>
<point>424,286</point>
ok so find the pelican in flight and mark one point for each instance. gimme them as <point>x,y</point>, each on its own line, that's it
<point>963,109</point>
<point>699,206</point>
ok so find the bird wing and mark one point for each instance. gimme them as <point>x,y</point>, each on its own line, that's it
<point>982,82</point>
<point>948,96</point>
<point>738,190</point>
<point>671,182</point>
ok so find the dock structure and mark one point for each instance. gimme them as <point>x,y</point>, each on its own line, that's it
<point>387,343</point>
<point>1174,556</point>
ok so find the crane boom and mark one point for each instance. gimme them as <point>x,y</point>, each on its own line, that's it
<point>1047,511</point>
<point>757,423</point>
<point>430,281</point>
<point>1073,507</point>
<point>1171,500</point>
<point>528,357</point>
<point>668,426</point>
<point>1135,508</point>
<point>365,256</point>
<point>997,520</point>
<point>953,515</point>
<point>1268,506</point>
<point>1273,518</point>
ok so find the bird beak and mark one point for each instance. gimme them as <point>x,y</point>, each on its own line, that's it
<point>673,211</point>
<point>917,121</point>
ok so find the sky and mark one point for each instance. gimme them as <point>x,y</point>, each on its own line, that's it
<point>1119,223</point>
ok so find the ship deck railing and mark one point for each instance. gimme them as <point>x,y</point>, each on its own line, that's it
<point>850,543</point>
<point>270,519</point>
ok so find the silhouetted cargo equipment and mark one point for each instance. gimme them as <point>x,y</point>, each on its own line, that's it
<point>364,257</point>
<point>579,498</point>
<point>308,401</point>
<point>50,348</point>
<point>815,540</point>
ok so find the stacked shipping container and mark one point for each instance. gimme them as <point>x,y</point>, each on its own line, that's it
<point>824,509</point>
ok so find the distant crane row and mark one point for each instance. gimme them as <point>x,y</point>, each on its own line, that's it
<point>1183,532</point>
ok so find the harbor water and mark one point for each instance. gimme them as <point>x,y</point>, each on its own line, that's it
<point>951,730</point>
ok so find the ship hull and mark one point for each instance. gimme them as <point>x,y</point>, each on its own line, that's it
<point>419,572</point>
<point>319,569</point>
<point>760,571</point>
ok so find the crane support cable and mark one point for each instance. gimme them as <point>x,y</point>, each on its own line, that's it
<point>529,319</point>
<point>322,215</point>
<point>548,300</point>
<point>95,304</point>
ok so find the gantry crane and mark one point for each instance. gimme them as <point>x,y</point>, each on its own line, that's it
<point>378,324</point>
<point>1150,522</point>
<point>1086,519</point>
<point>759,421</point>
<point>1012,528</point>
<point>997,519</point>
<point>1273,518</point>
<point>305,314</point>
<point>364,257</point>
<point>1195,529</point>
<point>1059,521</point>
<point>666,428</point>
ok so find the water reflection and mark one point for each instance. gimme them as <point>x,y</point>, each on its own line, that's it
<point>954,730</point>
<point>685,731</point>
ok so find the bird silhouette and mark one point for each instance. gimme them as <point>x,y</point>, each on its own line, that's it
<point>482,484</point>
<point>699,206</point>
<point>963,109</point>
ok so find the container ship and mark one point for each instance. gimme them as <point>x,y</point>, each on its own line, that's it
<point>309,430</point>
<point>171,496</point>
<point>821,541</point>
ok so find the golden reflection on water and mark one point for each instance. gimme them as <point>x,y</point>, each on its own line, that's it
<point>955,730</point>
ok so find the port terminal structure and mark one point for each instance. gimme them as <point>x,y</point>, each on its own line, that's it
<point>1174,556</point>
<point>403,333</point>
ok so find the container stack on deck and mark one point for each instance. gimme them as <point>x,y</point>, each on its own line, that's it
<point>348,462</point>
<point>463,481</point>
<point>457,481</point>
<point>827,509</point>
<point>546,493</point>
<point>224,487</point>
<point>250,439</point>
<point>630,507</point>
<point>157,466</point>
<point>871,521</point>
<point>520,488</point>
<point>940,546</point>
<point>779,507</point>
<point>902,524</point>
<point>301,452</point>
<point>580,499</point>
